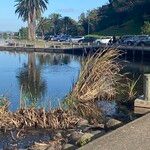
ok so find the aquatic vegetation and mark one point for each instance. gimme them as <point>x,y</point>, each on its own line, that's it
<point>98,80</point>
<point>37,118</point>
<point>127,91</point>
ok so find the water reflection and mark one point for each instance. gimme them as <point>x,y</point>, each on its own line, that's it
<point>32,86</point>
<point>54,59</point>
<point>37,79</point>
<point>136,71</point>
<point>46,79</point>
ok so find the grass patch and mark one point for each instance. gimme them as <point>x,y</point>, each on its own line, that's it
<point>98,80</point>
<point>129,28</point>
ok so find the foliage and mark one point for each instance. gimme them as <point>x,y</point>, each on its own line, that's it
<point>146,28</point>
<point>5,36</point>
<point>86,138</point>
<point>32,118</point>
<point>129,27</point>
<point>43,26</point>
<point>98,80</point>
<point>55,21</point>
<point>23,33</point>
<point>55,24</point>
<point>127,91</point>
<point>30,11</point>
<point>118,17</point>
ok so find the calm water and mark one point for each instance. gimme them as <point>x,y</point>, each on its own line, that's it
<point>45,79</point>
<point>37,79</point>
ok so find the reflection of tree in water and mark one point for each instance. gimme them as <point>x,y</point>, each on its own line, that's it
<point>33,87</point>
<point>55,59</point>
<point>29,77</point>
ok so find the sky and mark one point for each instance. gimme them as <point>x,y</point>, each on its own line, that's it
<point>73,8</point>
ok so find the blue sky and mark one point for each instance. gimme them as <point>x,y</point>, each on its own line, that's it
<point>73,8</point>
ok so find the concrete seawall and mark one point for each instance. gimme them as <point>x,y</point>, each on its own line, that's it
<point>82,48</point>
<point>133,136</point>
<point>75,50</point>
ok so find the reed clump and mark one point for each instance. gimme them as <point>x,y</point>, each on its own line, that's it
<point>98,80</point>
<point>4,114</point>
<point>54,119</point>
<point>38,118</point>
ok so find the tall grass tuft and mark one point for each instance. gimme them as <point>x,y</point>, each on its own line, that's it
<point>98,80</point>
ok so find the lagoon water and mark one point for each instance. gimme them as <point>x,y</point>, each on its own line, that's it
<point>33,79</point>
<point>43,80</point>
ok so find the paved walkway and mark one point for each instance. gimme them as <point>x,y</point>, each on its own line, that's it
<point>133,136</point>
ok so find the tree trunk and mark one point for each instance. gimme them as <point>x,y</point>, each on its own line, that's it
<point>33,25</point>
<point>29,27</point>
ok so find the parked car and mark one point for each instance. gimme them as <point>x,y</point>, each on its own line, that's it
<point>104,41</point>
<point>55,38</point>
<point>144,41</point>
<point>125,39</point>
<point>87,40</point>
<point>133,40</point>
<point>76,39</point>
<point>48,37</point>
<point>64,38</point>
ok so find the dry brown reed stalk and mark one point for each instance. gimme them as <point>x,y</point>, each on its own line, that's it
<point>99,77</point>
<point>98,80</point>
<point>38,118</point>
<point>4,114</point>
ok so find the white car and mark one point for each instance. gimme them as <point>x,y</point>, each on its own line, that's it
<point>76,39</point>
<point>104,41</point>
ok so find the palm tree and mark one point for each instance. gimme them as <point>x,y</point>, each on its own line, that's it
<point>55,18</point>
<point>30,11</point>
<point>43,26</point>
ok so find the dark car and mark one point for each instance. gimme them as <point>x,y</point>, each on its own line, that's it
<point>64,38</point>
<point>125,39</point>
<point>47,37</point>
<point>133,40</point>
<point>144,42</point>
<point>55,38</point>
<point>87,40</point>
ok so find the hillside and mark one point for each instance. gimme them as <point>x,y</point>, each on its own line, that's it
<point>119,17</point>
<point>129,27</point>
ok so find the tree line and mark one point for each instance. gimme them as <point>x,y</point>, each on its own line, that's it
<point>115,13</point>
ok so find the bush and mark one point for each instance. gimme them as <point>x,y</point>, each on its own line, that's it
<point>146,28</point>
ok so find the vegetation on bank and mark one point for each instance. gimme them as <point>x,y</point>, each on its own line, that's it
<point>99,80</point>
<point>128,18</point>
<point>30,11</point>
<point>130,28</point>
<point>146,28</point>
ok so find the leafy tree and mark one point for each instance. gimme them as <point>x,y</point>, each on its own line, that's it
<point>69,26</point>
<point>5,36</point>
<point>66,22</point>
<point>55,20</point>
<point>146,28</point>
<point>43,26</point>
<point>83,21</point>
<point>30,10</point>
<point>23,33</point>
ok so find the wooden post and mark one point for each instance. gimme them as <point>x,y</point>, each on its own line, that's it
<point>147,87</point>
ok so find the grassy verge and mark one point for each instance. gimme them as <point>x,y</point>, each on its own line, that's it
<point>128,28</point>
